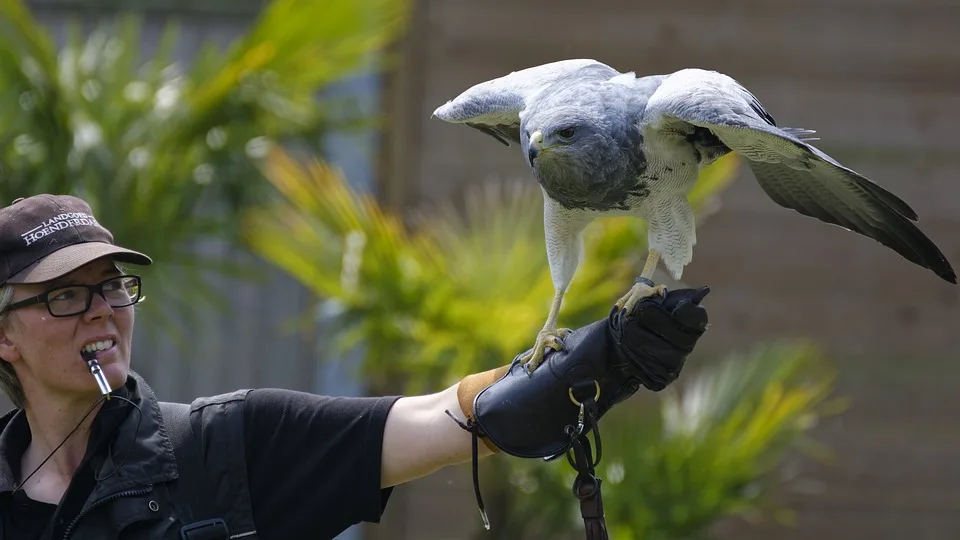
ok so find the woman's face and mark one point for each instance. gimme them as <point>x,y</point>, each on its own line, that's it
<point>45,350</point>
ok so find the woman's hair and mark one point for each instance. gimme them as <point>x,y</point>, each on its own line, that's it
<point>9,383</point>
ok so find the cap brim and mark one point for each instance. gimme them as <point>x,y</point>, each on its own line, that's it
<point>66,260</point>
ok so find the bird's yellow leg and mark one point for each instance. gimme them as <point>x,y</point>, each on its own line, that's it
<point>549,336</point>
<point>640,290</point>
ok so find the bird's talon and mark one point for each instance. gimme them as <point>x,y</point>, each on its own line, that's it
<point>552,339</point>
<point>638,292</point>
<point>530,367</point>
<point>532,358</point>
<point>554,342</point>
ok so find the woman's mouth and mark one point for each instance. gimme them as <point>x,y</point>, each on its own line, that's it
<point>97,347</point>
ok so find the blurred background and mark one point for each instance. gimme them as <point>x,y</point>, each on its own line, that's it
<point>314,229</point>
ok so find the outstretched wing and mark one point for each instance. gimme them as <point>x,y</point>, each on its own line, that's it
<point>793,173</point>
<point>494,106</point>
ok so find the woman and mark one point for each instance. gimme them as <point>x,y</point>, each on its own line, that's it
<point>78,460</point>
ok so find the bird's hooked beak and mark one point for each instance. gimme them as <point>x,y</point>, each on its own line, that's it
<point>533,149</point>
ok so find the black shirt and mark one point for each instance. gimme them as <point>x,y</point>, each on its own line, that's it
<point>313,464</point>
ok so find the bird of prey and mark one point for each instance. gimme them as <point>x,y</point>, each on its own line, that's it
<point>603,143</point>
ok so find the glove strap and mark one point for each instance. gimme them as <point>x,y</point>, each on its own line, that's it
<point>586,485</point>
<point>474,430</point>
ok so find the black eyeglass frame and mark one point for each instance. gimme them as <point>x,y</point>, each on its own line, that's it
<point>43,298</point>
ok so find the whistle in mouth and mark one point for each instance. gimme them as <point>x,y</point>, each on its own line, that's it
<point>90,358</point>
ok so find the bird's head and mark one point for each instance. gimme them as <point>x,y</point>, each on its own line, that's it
<point>580,143</point>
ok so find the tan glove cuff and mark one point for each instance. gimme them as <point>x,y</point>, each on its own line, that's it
<point>470,386</point>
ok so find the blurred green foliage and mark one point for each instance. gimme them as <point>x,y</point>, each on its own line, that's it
<point>164,150</point>
<point>463,288</point>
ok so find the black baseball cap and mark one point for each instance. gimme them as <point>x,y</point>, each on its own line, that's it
<point>47,236</point>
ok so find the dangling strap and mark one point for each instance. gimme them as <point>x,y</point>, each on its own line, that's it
<point>586,485</point>
<point>474,435</point>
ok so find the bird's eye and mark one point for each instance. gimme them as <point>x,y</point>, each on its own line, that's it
<point>566,133</point>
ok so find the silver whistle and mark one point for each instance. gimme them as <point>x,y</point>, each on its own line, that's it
<point>90,358</point>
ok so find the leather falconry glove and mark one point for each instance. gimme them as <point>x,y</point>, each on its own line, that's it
<point>547,413</point>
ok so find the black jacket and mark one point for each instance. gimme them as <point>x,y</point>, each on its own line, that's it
<point>140,495</point>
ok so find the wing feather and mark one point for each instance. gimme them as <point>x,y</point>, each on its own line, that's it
<point>793,173</point>
<point>781,184</point>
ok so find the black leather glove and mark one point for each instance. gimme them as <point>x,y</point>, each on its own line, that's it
<point>530,414</point>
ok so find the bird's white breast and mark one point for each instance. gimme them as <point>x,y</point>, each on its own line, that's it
<point>672,170</point>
